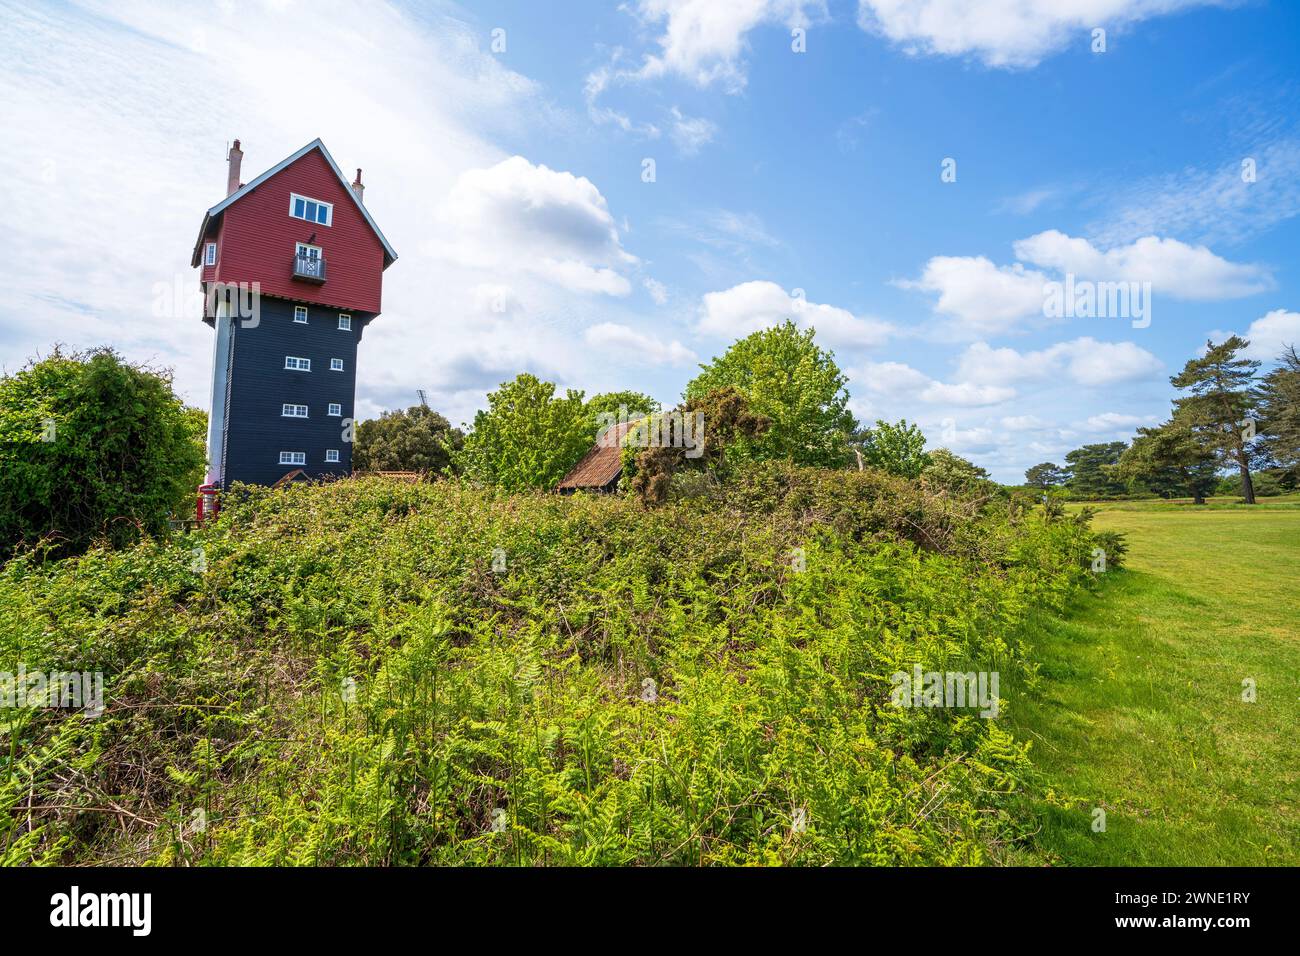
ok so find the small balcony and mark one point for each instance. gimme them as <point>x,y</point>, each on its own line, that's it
<point>309,268</point>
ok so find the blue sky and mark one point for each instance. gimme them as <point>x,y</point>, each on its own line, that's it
<point>805,183</point>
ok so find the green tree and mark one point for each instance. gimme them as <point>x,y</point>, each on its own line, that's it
<point>787,378</point>
<point>1220,404</point>
<point>898,449</point>
<point>412,439</point>
<point>1090,474</point>
<point>1280,416</point>
<point>1046,475</point>
<point>92,447</point>
<point>528,437</point>
<point>957,475</point>
<point>1170,462</point>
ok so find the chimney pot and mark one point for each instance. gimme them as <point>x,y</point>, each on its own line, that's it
<point>235,158</point>
<point>357,188</point>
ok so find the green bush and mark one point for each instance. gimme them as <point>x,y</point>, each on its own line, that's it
<point>93,448</point>
<point>681,685</point>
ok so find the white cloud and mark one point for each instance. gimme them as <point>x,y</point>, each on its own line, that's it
<point>658,291</point>
<point>1025,203</point>
<point>966,394</point>
<point>621,340</point>
<point>1114,422</point>
<point>691,133</point>
<point>1084,361</point>
<point>517,215</point>
<point>703,41</point>
<point>983,298</point>
<point>1173,268</point>
<point>750,306</point>
<point>897,380</point>
<point>1220,204</point>
<point>1268,335</point>
<point>1003,33</point>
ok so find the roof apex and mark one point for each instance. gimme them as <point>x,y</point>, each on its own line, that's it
<point>389,252</point>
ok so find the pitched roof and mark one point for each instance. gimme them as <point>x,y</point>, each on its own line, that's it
<point>390,254</point>
<point>602,464</point>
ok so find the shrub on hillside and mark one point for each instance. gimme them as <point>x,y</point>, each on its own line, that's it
<point>370,672</point>
<point>92,447</point>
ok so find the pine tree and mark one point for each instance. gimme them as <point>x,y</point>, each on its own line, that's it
<point>1220,405</point>
<point>1280,414</point>
<point>1171,462</point>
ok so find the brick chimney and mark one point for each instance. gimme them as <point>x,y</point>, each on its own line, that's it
<point>235,159</point>
<point>357,188</point>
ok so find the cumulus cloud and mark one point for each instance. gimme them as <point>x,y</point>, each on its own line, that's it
<point>1003,33</point>
<point>1084,361</point>
<point>983,297</point>
<point>610,337</point>
<point>896,379</point>
<point>750,306</point>
<point>979,297</point>
<point>700,41</point>
<point>1173,268</point>
<point>517,215</point>
<point>1268,335</point>
<point>704,41</point>
<point>1114,422</point>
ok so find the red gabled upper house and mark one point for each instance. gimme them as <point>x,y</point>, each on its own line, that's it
<point>304,262</point>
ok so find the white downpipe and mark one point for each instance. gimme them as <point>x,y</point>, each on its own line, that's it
<point>220,379</point>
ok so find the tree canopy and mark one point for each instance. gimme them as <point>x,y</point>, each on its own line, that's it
<point>1090,474</point>
<point>898,449</point>
<point>1046,475</point>
<point>1279,412</point>
<point>528,437</point>
<point>787,378</point>
<point>1169,461</point>
<point>1219,405</point>
<point>412,439</point>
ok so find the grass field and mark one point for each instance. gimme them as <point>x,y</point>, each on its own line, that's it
<point>1140,711</point>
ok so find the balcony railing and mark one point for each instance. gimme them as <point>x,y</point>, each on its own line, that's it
<point>309,268</point>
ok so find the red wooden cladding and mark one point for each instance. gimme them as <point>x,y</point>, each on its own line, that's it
<point>257,236</point>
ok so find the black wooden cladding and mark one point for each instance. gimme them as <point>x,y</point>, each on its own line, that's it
<point>260,386</point>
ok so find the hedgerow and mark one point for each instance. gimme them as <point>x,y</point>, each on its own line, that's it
<point>338,674</point>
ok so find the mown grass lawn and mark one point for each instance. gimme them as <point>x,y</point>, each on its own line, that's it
<point>1139,709</point>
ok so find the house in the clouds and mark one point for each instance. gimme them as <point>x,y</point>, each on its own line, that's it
<point>292,273</point>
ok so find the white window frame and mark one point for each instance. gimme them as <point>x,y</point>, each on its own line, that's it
<point>331,456</point>
<point>300,310</point>
<point>294,363</point>
<point>332,412</point>
<point>293,458</point>
<point>290,410</point>
<point>328,206</point>
<point>301,249</point>
<point>210,254</point>
<point>345,321</point>
<point>336,365</point>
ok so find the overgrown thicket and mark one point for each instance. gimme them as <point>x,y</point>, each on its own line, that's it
<point>349,674</point>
